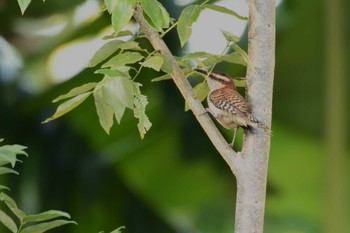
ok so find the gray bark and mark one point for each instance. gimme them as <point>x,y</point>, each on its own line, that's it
<point>253,163</point>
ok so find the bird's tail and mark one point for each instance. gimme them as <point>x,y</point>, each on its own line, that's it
<point>265,128</point>
<point>257,124</point>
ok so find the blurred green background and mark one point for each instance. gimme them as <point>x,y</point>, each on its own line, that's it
<point>174,180</point>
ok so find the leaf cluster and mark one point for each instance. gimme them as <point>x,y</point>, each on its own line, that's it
<point>18,221</point>
<point>121,59</point>
<point>15,219</point>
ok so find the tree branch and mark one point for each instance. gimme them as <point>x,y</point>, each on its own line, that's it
<point>186,90</point>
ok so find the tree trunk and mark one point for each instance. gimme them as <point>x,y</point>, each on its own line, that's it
<point>253,162</point>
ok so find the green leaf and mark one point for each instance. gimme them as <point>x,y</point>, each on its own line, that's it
<point>119,34</point>
<point>8,153</point>
<point>140,102</point>
<point>130,45</point>
<point>161,78</point>
<point>197,55</point>
<point>104,52</point>
<point>44,216</point>
<point>42,227</point>
<point>239,83</point>
<point>201,57</point>
<point>224,10</point>
<point>235,58</point>
<point>103,7</point>
<point>7,157</point>
<point>110,4</point>
<point>112,96</point>
<point>165,15</point>
<point>122,88</point>
<point>23,4</point>
<point>123,58</point>
<point>118,230</point>
<point>17,149</point>
<point>8,222</point>
<point>5,170</point>
<point>11,204</point>
<point>155,62</point>
<point>112,73</point>
<point>167,66</point>
<point>124,68</point>
<point>104,110</point>
<point>68,106</point>
<point>1,139</point>
<point>125,33</point>
<point>76,91</point>
<point>201,91</point>
<point>188,16</point>
<point>183,62</point>
<point>186,71</point>
<point>208,62</point>
<point>122,13</point>
<point>2,187</point>
<point>156,13</point>
<point>243,54</point>
<point>230,37</point>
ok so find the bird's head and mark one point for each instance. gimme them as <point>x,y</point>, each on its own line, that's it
<point>218,80</point>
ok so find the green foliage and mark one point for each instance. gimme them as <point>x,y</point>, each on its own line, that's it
<point>105,51</point>
<point>36,223</point>
<point>121,13</point>
<point>23,4</point>
<point>154,62</point>
<point>123,59</point>
<point>158,15</point>
<point>112,96</point>
<point>140,102</point>
<point>120,62</point>
<point>230,37</point>
<point>8,154</point>
<point>76,91</point>
<point>118,230</point>
<point>242,53</point>
<point>68,106</point>
<point>188,16</point>
<point>201,91</point>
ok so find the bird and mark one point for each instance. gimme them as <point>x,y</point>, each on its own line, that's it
<point>227,106</point>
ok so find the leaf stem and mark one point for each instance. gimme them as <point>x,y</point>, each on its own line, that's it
<point>205,2</point>
<point>141,66</point>
<point>168,30</point>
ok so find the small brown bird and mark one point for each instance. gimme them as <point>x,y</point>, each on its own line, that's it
<point>228,107</point>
